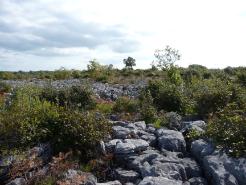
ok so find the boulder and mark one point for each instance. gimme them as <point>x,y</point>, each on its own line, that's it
<point>150,138</point>
<point>197,181</point>
<point>124,148</point>
<point>140,125</point>
<point>159,181</point>
<point>130,146</point>
<point>200,148</point>
<point>169,170</point>
<point>139,144</point>
<point>198,125</point>
<point>173,120</point>
<point>131,126</point>
<point>137,162</point>
<point>125,176</point>
<point>225,167</point>
<point>72,176</point>
<point>171,140</point>
<point>152,163</point>
<point>120,132</point>
<point>191,167</point>
<point>110,146</point>
<point>216,173</point>
<point>237,167</point>
<point>129,183</point>
<point>118,123</point>
<point>116,182</point>
<point>151,129</point>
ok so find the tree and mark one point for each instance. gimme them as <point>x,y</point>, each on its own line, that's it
<point>165,61</point>
<point>94,65</point>
<point>129,62</point>
<point>166,57</point>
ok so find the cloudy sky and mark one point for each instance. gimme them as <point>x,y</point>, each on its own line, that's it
<point>48,34</point>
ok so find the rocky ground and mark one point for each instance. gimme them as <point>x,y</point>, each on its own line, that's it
<point>143,154</point>
<point>103,90</point>
<point>148,156</point>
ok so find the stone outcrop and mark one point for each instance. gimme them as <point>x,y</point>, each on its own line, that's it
<point>158,156</point>
<point>151,156</point>
<point>102,90</point>
<point>144,155</point>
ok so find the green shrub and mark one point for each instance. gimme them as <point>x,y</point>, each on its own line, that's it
<point>167,96</point>
<point>147,110</point>
<point>105,107</point>
<point>193,134</point>
<point>125,104</point>
<point>174,75</point>
<point>212,96</point>
<point>228,129</point>
<point>241,78</point>
<point>191,74</point>
<point>62,74</point>
<point>76,74</point>
<point>6,75</point>
<point>76,97</point>
<point>102,78</point>
<point>14,117</point>
<point>31,120</point>
<point>157,124</point>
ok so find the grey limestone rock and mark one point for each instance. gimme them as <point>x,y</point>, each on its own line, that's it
<point>130,146</point>
<point>171,140</point>
<point>126,175</point>
<point>200,148</point>
<point>159,181</point>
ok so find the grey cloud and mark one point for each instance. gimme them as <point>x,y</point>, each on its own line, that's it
<point>63,31</point>
<point>5,26</point>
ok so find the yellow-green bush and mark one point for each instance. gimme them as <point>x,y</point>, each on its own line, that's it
<point>125,104</point>
<point>105,107</point>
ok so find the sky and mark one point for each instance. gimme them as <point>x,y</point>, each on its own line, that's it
<point>49,34</point>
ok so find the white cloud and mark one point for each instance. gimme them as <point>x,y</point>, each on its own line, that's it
<point>210,33</point>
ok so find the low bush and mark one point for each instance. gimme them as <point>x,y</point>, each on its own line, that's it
<point>241,79</point>
<point>167,96</point>
<point>211,96</point>
<point>76,97</point>
<point>170,120</point>
<point>62,74</point>
<point>105,107</point>
<point>193,135</point>
<point>30,120</point>
<point>228,129</point>
<point>125,104</point>
<point>102,78</point>
<point>7,75</point>
<point>147,110</point>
